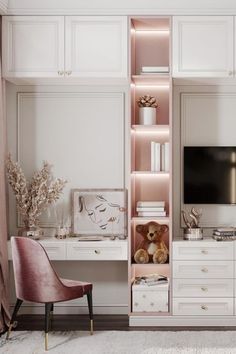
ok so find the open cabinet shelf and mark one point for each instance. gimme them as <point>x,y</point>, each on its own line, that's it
<point>150,180</point>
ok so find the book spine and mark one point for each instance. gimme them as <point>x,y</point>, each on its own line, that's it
<point>162,157</point>
<point>167,157</point>
<point>153,155</point>
<point>150,209</point>
<point>151,213</point>
<point>151,204</point>
<point>157,157</point>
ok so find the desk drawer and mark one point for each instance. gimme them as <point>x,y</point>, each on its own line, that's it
<point>203,307</point>
<point>103,250</point>
<point>203,288</point>
<point>55,250</point>
<point>203,250</point>
<point>203,269</point>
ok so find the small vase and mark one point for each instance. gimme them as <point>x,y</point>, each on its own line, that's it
<point>33,232</point>
<point>147,115</point>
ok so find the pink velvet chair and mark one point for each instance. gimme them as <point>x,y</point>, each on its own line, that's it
<point>37,281</point>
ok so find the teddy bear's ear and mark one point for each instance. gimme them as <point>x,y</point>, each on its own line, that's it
<point>164,228</point>
<point>139,229</point>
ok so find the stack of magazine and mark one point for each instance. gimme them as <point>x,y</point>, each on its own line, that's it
<point>224,233</point>
<point>151,208</point>
<point>151,279</point>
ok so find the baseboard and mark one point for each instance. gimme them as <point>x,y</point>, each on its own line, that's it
<point>181,321</point>
<point>62,309</point>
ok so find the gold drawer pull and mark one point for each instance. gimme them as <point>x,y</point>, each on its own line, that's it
<point>204,270</point>
<point>204,307</point>
<point>204,288</point>
<point>204,251</point>
<point>144,296</point>
<point>97,251</point>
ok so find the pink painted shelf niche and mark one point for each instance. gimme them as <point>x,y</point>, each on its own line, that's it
<point>150,43</point>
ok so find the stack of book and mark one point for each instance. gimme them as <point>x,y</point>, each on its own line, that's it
<point>224,233</point>
<point>151,208</point>
<point>160,157</point>
<point>151,279</point>
<point>154,69</point>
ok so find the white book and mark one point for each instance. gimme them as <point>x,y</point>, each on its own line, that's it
<point>155,69</point>
<point>162,157</point>
<point>150,209</point>
<point>152,213</point>
<point>167,157</point>
<point>150,203</point>
<point>153,155</point>
<point>157,164</point>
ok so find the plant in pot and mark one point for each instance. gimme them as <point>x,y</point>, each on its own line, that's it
<point>192,231</point>
<point>147,109</point>
<point>33,197</point>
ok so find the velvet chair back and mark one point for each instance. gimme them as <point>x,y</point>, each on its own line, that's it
<point>35,278</point>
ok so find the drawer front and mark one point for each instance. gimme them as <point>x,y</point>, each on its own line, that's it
<point>203,269</point>
<point>80,251</point>
<point>150,301</point>
<point>203,307</point>
<point>203,287</point>
<point>201,250</point>
<point>55,250</point>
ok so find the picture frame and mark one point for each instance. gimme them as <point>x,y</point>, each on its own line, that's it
<point>99,212</point>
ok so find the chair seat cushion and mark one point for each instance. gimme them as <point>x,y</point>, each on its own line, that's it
<point>86,287</point>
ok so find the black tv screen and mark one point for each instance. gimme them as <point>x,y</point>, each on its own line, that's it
<point>210,175</point>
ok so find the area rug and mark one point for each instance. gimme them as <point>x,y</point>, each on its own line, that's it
<point>121,342</point>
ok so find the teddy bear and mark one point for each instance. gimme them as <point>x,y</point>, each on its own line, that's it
<point>152,248</point>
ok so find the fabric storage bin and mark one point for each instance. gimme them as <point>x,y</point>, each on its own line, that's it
<point>152,298</point>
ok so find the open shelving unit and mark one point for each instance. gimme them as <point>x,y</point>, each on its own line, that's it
<point>150,43</point>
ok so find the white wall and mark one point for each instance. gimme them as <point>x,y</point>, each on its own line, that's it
<point>80,130</point>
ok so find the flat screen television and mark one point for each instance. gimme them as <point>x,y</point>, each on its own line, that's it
<point>210,174</point>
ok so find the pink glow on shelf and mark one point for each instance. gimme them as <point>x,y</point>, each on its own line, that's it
<point>149,174</point>
<point>166,87</point>
<point>155,32</point>
<point>159,132</point>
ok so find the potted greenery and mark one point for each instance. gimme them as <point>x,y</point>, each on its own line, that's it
<point>147,110</point>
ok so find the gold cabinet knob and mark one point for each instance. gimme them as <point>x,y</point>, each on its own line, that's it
<point>68,72</point>
<point>203,288</point>
<point>204,270</point>
<point>204,251</point>
<point>204,307</point>
<point>144,296</point>
<point>60,72</point>
<point>97,251</point>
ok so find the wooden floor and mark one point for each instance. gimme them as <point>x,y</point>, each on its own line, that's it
<point>101,323</point>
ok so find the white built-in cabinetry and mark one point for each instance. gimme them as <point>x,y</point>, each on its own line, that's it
<point>203,46</point>
<point>203,278</point>
<point>58,46</point>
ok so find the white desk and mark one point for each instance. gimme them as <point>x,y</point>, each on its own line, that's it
<point>71,249</point>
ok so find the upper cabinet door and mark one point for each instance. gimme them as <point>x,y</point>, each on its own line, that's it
<point>96,46</point>
<point>33,46</point>
<point>203,46</point>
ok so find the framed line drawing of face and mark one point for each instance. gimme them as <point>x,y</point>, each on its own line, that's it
<point>99,212</point>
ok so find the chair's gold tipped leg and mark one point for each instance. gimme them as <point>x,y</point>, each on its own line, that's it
<point>9,330</point>
<point>91,327</point>
<point>46,341</point>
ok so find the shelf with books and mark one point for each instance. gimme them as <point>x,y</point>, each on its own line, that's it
<point>150,151</point>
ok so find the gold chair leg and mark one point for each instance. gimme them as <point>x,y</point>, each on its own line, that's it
<point>91,327</point>
<point>46,341</point>
<point>9,330</point>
